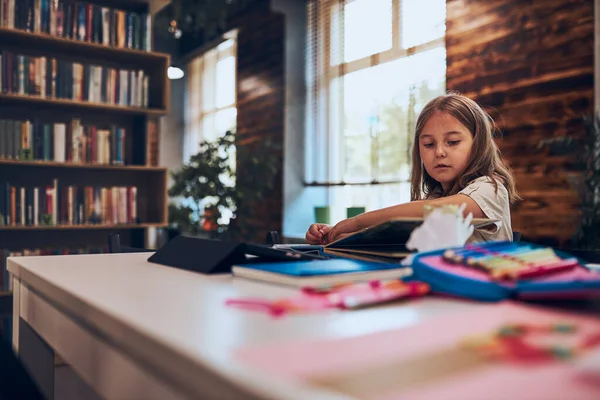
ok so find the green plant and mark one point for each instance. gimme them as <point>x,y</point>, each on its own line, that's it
<point>585,153</point>
<point>206,181</point>
<point>207,186</point>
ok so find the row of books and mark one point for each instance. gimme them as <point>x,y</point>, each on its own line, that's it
<point>48,77</point>
<point>57,204</point>
<point>6,282</point>
<point>78,21</point>
<point>62,142</point>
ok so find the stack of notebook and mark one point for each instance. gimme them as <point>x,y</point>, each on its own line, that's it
<point>321,272</point>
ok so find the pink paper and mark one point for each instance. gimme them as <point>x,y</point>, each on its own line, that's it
<point>307,361</point>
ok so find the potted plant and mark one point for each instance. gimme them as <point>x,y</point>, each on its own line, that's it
<point>204,183</point>
<point>206,187</point>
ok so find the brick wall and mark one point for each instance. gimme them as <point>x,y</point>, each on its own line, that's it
<point>260,106</point>
<point>531,64</point>
<point>260,110</point>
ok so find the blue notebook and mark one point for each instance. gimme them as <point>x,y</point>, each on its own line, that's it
<point>320,272</point>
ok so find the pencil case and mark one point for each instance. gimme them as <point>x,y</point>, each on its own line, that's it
<point>458,279</point>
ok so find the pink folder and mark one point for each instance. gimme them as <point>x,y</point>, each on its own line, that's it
<point>426,361</point>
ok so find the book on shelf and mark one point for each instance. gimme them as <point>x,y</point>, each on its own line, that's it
<point>79,20</point>
<point>57,204</point>
<point>52,78</point>
<point>152,143</point>
<point>28,140</point>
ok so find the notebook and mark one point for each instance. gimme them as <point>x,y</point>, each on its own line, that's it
<point>386,240</point>
<point>320,272</point>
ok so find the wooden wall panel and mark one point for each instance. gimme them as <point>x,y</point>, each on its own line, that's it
<point>531,65</point>
<point>260,109</point>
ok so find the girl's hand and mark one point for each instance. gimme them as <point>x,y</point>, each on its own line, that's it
<point>318,233</point>
<point>343,229</point>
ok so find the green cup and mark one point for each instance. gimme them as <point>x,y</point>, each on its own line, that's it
<point>322,215</point>
<point>354,211</point>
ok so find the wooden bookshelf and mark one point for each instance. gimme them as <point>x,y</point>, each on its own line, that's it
<point>134,169</point>
<point>54,164</point>
<point>79,227</point>
<point>56,45</point>
<point>36,101</point>
<point>130,5</point>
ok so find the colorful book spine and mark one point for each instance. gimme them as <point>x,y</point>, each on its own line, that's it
<point>62,142</point>
<point>78,20</point>
<point>48,77</point>
<point>57,204</point>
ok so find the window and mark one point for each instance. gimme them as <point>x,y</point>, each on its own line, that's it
<point>210,96</point>
<point>371,67</point>
<point>210,105</point>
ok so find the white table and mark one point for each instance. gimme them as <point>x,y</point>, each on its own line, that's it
<point>136,330</point>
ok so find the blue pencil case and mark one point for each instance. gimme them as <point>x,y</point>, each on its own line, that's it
<point>456,279</point>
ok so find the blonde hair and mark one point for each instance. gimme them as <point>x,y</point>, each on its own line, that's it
<point>485,160</point>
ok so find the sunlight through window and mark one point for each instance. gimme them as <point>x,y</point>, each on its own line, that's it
<point>365,92</point>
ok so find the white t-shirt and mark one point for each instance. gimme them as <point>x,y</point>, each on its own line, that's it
<point>495,205</point>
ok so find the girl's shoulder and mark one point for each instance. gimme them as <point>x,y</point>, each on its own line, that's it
<point>489,186</point>
<point>487,180</point>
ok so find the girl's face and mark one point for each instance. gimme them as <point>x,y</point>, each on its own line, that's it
<point>445,148</point>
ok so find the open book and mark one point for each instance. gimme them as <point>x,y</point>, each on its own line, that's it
<point>385,241</point>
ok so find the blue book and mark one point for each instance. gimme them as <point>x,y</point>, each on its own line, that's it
<point>320,272</point>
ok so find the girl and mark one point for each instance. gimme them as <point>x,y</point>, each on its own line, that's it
<point>454,160</point>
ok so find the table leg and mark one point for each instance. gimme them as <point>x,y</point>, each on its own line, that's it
<point>37,357</point>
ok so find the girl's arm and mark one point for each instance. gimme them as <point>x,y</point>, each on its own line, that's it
<point>411,209</point>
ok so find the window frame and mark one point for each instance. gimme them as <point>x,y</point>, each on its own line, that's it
<point>193,120</point>
<point>331,158</point>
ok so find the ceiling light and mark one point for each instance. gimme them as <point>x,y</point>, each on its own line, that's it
<point>175,73</point>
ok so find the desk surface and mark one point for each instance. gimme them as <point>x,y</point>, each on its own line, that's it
<point>177,321</point>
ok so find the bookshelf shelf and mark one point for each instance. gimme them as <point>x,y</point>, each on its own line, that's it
<point>81,227</point>
<point>54,44</point>
<point>63,104</point>
<point>108,168</point>
<point>41,54</point>
<point>114,61</point>
<point>131,5</point>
